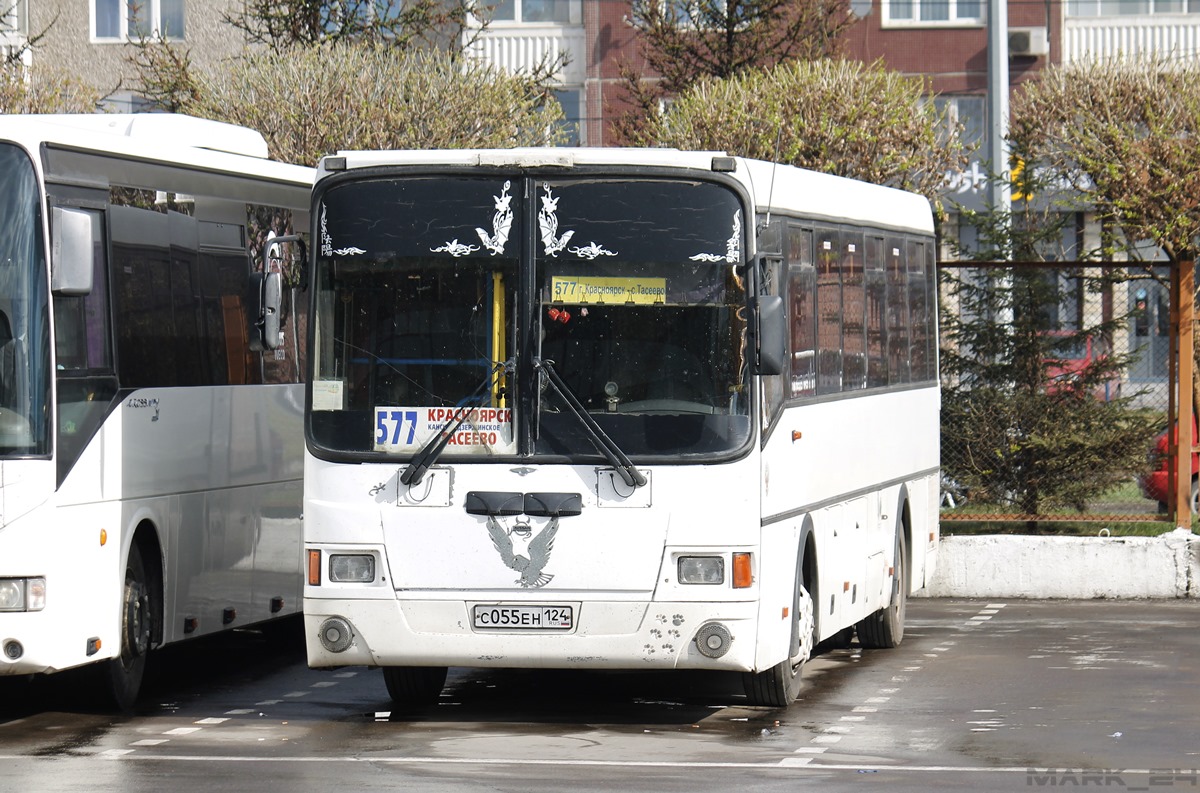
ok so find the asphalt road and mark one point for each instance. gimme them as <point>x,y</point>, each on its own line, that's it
<point>1001,696</point>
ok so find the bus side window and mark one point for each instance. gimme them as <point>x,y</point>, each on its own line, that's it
<point>801,312</point>
<point>918,302</point>
<point>877,374</point>
<point>829,311</point>
<point>897,311</point>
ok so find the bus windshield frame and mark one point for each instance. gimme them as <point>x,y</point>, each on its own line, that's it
<point>439,298</point>
<point>25,425</point>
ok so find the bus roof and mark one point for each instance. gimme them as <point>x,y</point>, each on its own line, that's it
<point>774,187</point>
<point>166,137</point>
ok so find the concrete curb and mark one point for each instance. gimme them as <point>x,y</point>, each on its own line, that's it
<point>1017,566</point>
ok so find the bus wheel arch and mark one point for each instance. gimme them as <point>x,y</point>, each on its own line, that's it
<point>140,623</point>
<point>779,686</point>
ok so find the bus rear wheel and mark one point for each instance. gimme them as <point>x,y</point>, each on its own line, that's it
<point>885,628</point>
<point>779,686</point>
<point>414,685</point>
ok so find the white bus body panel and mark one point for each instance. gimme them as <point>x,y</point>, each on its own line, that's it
<point>828,460</point>
<point>216,472</point>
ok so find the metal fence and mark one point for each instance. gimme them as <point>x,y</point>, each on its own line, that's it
<point>1055,392</point>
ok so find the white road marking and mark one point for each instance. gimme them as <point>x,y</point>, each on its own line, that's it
<point>213,720</point>
<point>182,731</point>
<point>135,757</point>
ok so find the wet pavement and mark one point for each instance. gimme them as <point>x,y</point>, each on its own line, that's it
<point>1006,695</point>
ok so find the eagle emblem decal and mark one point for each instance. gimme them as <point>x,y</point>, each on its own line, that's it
<point>537,550</point>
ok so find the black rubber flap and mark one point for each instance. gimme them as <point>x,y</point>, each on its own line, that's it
<point>553,505</point>
<point>492,502</point>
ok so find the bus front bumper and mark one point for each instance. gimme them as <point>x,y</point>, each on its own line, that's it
<point>602,635</point>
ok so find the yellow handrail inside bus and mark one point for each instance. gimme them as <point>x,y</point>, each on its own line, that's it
<point>498,346</point>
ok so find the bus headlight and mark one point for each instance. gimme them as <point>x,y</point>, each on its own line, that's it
<point>701,570</point>
<point>22,594</point>
<point>352,568</point>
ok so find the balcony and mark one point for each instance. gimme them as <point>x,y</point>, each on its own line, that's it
<point>523,47</point>
<point>1175,35</point>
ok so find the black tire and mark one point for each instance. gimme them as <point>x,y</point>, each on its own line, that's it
<point>414,685</point>
<point>779,686</point>
<point>121,677</point>
<point>885,628</point>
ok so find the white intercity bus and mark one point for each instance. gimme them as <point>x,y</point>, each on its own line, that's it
<point>614,409</point>
<point>151,405</point>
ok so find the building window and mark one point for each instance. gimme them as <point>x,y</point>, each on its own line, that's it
<point>119,20</point>
<point>560,12</point>
<point>13,16</point>
<point>571,101</point>
<point>934,12</point>
<point>1115,8</point>
<point>127,102</point>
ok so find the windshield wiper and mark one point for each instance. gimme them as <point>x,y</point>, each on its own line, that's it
<point>431,451</point>
<point>617,458</point>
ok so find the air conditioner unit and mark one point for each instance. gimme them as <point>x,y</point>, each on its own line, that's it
<point>1027,42</point>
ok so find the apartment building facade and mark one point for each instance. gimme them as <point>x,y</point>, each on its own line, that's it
<point>943,41</point>
<point>90,38</point>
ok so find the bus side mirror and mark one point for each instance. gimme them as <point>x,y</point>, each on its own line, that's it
<point>270,301</point>
<point>267,288</point>
<point>273,250</point>
<point>770,331</point>
<point>72,254</point>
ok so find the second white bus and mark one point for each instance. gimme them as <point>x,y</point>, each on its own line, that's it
<point>150,397</point>
<point>614,409</point>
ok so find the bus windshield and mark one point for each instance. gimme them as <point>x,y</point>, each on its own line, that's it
<point>24,317</point>
<point>439,300</point>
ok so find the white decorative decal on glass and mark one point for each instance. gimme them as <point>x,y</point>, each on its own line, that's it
<point>327,248</point>
<point>733,247</point>
<point>590,252</point>
<point>326,240</point>
<point>548,225</point>
<point>455,248</point>
<point>501,223</point>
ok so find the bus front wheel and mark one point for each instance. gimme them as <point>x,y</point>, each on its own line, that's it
<point>122,675</point>
<point>414,685</point>
<point>779,686</point>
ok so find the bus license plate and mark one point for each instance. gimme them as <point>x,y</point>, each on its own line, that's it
<point>523,617</point>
